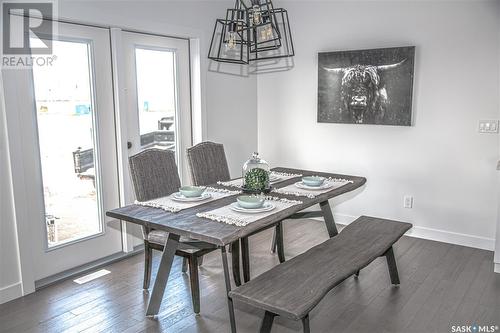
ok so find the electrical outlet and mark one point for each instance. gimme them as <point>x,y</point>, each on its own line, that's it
<point>488,126</point>
<point>408,201</point>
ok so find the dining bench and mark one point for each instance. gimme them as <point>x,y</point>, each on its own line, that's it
<point>292,289</point>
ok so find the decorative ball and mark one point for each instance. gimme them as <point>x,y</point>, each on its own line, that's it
<point>257,179</point>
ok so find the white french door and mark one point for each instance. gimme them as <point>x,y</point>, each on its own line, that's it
<point>69,151</point>
<point>158,94</point>
<point>155,104</point>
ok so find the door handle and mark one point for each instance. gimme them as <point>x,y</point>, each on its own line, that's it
<point>129,144</point>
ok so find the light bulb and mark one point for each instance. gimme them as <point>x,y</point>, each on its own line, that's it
<point>269,31</point>
<point>231,42</point>
<point>266,32</point>
<point>257,15</point>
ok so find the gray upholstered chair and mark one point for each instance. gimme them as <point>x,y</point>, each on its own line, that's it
<point>208,165</point>
<point>154,175</point>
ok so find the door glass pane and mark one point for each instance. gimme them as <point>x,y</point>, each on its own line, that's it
<point>155,72</point>
<point>65,120</point>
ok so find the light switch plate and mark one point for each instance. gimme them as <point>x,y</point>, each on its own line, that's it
<point>488,126</point>
<point>408,201</point>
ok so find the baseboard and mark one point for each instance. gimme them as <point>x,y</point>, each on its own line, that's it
<point>436,235</point>
<point>343,219</point>
<point>453,238</point>
<point>87,268</point>
<point>11,292</point>
<point>497,268</point>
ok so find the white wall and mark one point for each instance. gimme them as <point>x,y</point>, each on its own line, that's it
<point>442,160</point>
<point>10,286</point>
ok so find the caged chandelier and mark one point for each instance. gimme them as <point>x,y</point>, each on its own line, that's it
<point>252,30</point>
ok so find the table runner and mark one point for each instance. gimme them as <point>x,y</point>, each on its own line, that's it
<point>282,175</point>
<point>227,215</point>
<point>169,205</point>
<point>299,192</point>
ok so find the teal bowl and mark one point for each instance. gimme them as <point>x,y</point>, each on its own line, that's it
<point>250,201</point>
<point>192,191</point>
<point>313,180</point>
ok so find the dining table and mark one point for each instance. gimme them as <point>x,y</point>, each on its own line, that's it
<point>188,223</point>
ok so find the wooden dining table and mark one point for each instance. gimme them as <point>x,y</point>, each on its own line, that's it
<point>185,223</point>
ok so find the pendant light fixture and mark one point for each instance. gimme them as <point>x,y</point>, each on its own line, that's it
<point>252,30</point>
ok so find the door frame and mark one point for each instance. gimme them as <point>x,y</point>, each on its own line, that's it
<point>16,155</point>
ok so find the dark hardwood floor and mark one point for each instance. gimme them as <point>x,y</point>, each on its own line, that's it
<point>441,285</point>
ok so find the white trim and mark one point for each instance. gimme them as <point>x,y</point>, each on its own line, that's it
<point>496,268</point>
<point>197,123</point>
<point>18,174</point>
<point>120,130</point>
<point>342,219</point>
<point>11,292</point>
<point>444,236</point>
<point>453,238</point>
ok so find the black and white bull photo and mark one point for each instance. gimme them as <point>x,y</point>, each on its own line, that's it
<point>366,86</point>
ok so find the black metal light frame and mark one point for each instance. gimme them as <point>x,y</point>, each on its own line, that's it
<point>221,29</point>
<point>286,48</point>
<point>268,17</point>
<point>240,20</point>
<point>239,23</point>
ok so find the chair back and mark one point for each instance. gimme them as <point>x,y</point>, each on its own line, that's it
<point>154,173</point>
<point>207,163</point>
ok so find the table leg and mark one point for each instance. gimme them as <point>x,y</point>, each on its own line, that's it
<point>228,289</point>
<point>161,280</point>
<point>235,259</point>
<point>273,242</point>
<point>245,258</point>
<point>279,242</point>
<point>329,221</point>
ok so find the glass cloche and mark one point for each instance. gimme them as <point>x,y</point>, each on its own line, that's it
<point>256,175</point>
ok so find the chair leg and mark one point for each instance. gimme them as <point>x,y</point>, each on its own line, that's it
<point>148,261</point>
<point>391,263</point>
<point>245,259</point>
<point>267,322</point>
<point>184,265</point>
<point>273,242</point>
<point>279,242</point>
<point>305,324</point>
<point>194,282</point>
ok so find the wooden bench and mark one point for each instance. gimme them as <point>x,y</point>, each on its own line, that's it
<point>294,288</point>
